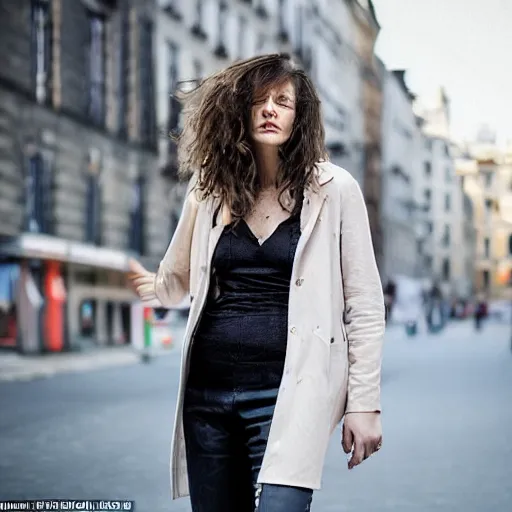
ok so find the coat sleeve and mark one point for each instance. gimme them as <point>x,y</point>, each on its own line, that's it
<point>172,280</point>
<point>364,303</point>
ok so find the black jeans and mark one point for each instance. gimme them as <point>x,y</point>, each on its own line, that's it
<point>226,435</point>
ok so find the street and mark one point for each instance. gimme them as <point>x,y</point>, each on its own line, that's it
<point>447,420</point>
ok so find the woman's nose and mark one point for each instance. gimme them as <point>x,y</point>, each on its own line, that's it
<point>269,108</point>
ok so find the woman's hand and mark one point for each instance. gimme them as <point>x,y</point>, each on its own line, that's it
<point>362,435</point>
<point>141,281</point>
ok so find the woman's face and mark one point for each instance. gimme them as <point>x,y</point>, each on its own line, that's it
<point>273,114</point>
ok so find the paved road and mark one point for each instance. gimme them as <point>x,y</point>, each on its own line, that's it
<point>447,420</point>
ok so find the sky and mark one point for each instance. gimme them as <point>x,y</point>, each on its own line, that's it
<point>464,46</point>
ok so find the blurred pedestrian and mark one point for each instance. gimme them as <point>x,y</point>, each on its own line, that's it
<point>389,297</point>
<point>480,313</point>
<point>274,249</point>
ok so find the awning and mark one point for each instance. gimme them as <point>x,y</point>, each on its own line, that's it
<point>35,245</point>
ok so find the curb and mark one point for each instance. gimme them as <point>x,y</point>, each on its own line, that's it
<point>25,368</point>
<point>14,367</point>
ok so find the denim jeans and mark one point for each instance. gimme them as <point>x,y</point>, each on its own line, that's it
<point>226,435</point>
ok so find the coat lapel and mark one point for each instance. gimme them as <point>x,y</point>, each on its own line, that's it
<point>314,198</point>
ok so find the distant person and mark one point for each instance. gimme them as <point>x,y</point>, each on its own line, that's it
<point>285,331</point>
<point>389,297</point>
<point>481,312</point>
<point>435,310</point>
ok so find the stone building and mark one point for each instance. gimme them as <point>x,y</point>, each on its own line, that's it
<point>78,153</point>
<point>401,160</point>
<point>367,30</point>
<point>486,171</point>
<point>448,241</point>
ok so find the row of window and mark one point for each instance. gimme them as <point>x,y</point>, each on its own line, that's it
<point>487,247</point>
<point>43,52</point>
<point>198,28</point>
<point>39,207</point>
<point>427,194</point>
<point>428,171</point>
<point>445,266</point>
<point>429,146</point>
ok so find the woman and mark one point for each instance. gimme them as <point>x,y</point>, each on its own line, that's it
<point>287,313</point>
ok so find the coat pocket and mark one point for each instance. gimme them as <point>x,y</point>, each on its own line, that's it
<point>320,334</point>
<point>344,332</point>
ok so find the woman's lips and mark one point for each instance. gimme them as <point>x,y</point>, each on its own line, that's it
<point>269,127</point>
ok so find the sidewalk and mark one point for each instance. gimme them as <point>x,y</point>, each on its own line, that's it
<point>20,367</point>
<point>17,367</point>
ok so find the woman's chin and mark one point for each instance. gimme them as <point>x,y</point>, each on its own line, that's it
<point>269,139</point>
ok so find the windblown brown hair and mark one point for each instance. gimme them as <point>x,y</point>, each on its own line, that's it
<point>215,141</point>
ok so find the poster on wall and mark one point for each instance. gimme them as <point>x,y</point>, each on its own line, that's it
<point>9,275</point>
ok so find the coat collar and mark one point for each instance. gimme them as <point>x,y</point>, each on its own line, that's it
<point>324,172</point>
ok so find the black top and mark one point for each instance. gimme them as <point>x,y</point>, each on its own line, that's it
<point>241,339</point>
<point>249,277</point>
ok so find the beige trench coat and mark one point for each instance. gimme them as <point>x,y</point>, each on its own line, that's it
<point>336,325</point>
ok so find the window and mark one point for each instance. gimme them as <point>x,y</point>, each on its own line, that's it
<point>510,245</point>
<point>298,30</point>
<point>486,278</point>
<point>446,149</point>
<point>242,29</point>
<point>260,9</point>
<point>447,203</point>
<point>427,194</point>
<point>173,9</point>
<point>198,70</point>
<point>488,180</point>
<point>446,236</point>
<point>428,168</point>
<point>96,93</point>
<point>174,104</point>
<point>487,245</point>
<point>93,199</point>
<point>41,50</point>
<point>448,175</point>
<point>137,216</point>
<point>124,72</point>
<point>446,269</point>
<point>38,196</point>
<point>220,50</point>
<point>197,27</point>
<point>488,209</point>
<point>147,108</point>
<point>283,33</point>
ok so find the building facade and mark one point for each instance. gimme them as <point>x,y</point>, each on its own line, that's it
<point>87,167</point>
<point>371,69</point>
<point>486,171</point>
<point>446,241</point>
<point>77,166</point>
<point>401,156</point>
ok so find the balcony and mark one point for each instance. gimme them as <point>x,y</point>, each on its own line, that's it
<point>261,12</point>
<point>198,32</point>
<point>173,12</point>
<point>220,51</point>
<point>283,36</point>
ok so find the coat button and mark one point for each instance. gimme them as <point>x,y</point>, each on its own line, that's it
<point>299,281</point>
<point>332,340</point>
<point>293,330</point>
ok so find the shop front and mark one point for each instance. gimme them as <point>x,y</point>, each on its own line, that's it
<point>57,295</point>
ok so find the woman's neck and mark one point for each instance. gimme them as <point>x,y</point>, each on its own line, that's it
<point>267,164</point>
